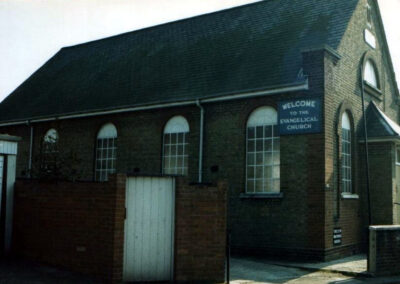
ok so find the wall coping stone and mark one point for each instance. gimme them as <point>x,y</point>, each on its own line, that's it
<point>385,228</point>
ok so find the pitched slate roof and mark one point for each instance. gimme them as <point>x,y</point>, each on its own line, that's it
<point>379,125</point>
<point>245,48</point>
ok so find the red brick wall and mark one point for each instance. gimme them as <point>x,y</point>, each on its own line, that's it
<point>200,233</point>
<point>79,226</point>
<point>384,257</point>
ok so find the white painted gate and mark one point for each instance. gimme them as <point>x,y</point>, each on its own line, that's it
<point>1,174</point>
<point>149,229</point>
<point>1,177</point>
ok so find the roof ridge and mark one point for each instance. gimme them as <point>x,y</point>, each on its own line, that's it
<point>145,29</point>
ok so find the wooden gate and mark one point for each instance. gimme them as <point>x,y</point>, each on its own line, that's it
<point>149,229</point>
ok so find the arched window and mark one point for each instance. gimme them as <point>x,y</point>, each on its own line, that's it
<point>370,74</point>
<point>175,149</point>
<point>106,152</point>
<point>346,156</point>
<point>263,152</point>
<point>49,151</point>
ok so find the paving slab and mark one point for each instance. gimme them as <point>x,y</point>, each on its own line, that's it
<point>246,271</point>
<point>355,265</point>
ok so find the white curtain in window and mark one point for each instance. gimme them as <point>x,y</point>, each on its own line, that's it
<point>175,146</point>
<point>346,156</point>
<point>263,152</point>
<point>370,75</point>
<point>106,152</point>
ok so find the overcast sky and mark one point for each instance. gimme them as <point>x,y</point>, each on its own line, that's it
<point>33,31</point>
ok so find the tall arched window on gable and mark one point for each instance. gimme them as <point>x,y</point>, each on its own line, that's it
<point>106,152</point>
<point>263,152</point>
<point>370,74</point>
<point>175,148</point>
<point>49,151</point>
<point>346,155</point>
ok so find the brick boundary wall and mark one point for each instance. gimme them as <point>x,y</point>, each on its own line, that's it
<point>80,226</point>
<point>200,233</point>
<point>384,257</point>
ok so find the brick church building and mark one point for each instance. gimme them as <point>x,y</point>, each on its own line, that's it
<point>267,96</point>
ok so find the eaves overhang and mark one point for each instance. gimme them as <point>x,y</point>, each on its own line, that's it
<point>272,90</point>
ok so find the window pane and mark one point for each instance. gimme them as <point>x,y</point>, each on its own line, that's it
<point>268,145</point>
<point>276,130</point>
<point>173,138</point>
<point>259,172</point>
<point>251,132</point>
<point>276,185</point>
<point>259,159</point>
<point>259,145</point>
<point>250,185</point>
<point>180,162</point>
<point>268,158</point>
<point>276,172</point>
<point>259,132</point>
<point>268,172</point>
<point>259,185</point>
<point>276,158</point>
<point>185,160</point>
<point>276,144</point>
<point>250,172</point>
<point>180,138</point>
<point>268,131</point>
<point>251,145</point>
<point>398,155</point>
<point>172,163</point>
<point>259,140</point>
<point>268,185</point>
<point>173,150</point>
<point>167,150</point>
<point>250,159</point>
<point>180,149</point>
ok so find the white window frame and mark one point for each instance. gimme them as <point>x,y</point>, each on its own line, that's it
<point>50,150</point>
<point>175,156</point>
<point>370,74</point>
<point>346,165</point>
<point>258,157</point>
<point>397,150</point>
<point>106,152</point>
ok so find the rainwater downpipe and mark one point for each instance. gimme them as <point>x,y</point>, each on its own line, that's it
<point>30,151</point>
<point>200,180</point>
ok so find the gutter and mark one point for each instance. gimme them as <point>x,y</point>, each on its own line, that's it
<point>395,139</point>
<point>228,97</point>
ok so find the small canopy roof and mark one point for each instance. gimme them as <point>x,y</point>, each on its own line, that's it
<point>379,125</point>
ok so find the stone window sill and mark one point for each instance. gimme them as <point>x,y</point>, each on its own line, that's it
<point>350,196</point>
<point>373,91</point>
<point>278,195</point>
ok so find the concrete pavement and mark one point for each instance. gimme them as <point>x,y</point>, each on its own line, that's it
<point>351,270</point>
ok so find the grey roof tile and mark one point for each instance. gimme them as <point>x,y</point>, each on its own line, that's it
<point>248,47</point>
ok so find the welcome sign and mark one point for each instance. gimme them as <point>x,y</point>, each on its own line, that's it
<point>299,116</point>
